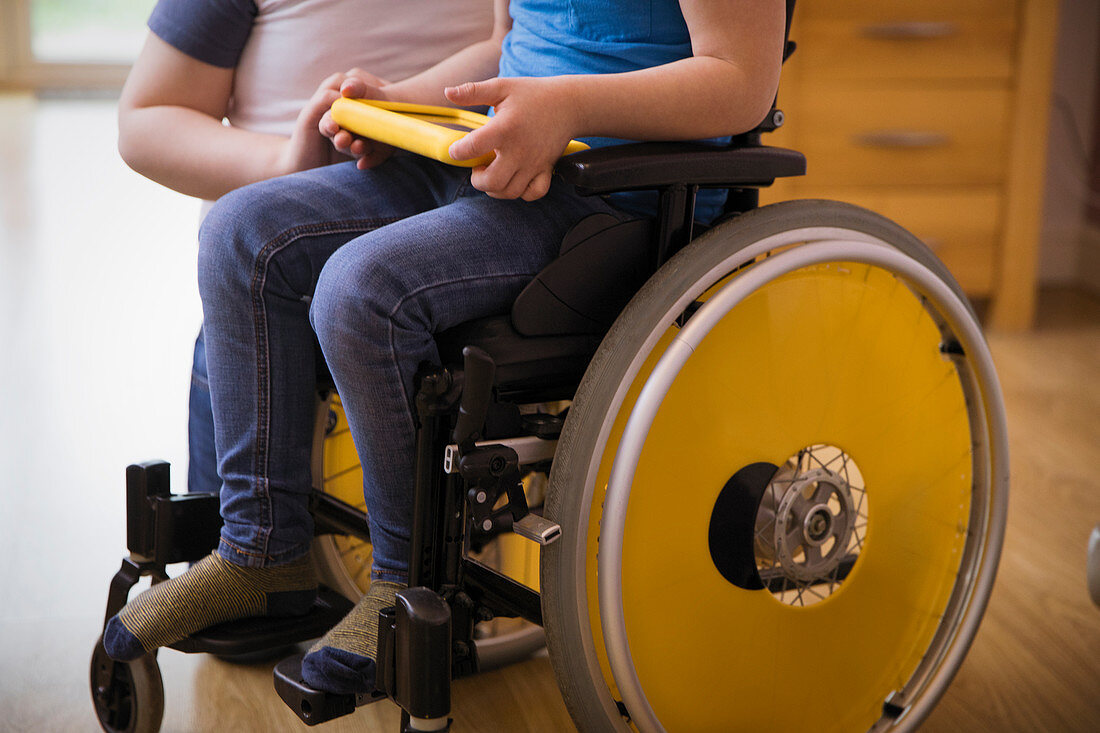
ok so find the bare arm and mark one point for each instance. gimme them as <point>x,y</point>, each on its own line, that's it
<point>477,61</point>
<point>170,127</point>
<point>725,87</point>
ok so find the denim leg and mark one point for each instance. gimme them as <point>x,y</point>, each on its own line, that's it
<point>382,296</point>
<point>261,250</point>
<point>202,460</point>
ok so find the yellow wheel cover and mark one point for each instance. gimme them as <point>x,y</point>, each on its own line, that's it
<point>840,354</point>
<point>342,478</point>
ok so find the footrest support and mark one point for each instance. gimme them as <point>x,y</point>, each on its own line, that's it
<point>314,706</point>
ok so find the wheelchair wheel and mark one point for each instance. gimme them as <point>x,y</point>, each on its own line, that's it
<point>344,562</point>
<point>782,486</point>
<point>128,696</point>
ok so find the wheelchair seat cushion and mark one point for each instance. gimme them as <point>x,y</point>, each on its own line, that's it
<point>522,362</point>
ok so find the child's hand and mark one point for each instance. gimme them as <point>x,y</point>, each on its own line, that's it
<point>533,123</point>
<point>356,84</point>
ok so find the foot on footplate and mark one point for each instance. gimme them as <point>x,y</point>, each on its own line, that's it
<point>314,706</point>
<point>414,668</point>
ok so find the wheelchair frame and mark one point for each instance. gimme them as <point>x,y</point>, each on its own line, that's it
<point>165,528</point>
<point>474,445</point>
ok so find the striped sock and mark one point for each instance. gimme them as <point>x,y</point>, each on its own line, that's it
<point>213,591</point>
<point>343,660</point>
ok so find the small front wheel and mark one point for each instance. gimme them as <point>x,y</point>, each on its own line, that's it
<point>128,696</point>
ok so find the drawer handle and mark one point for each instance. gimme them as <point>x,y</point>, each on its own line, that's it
<point>910,31</point>
<point>903,139</point>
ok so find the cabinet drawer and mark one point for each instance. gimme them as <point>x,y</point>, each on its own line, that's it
<point>915,45</point>
<point>869,134</point>
<point>961,226</point>
<point>884,10</point>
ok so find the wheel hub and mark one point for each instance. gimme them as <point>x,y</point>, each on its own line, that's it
<point>809,525</point>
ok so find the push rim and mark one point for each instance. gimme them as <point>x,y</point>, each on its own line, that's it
<point>657,387</point>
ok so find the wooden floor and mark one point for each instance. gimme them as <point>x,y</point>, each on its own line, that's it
<point>99,305</point>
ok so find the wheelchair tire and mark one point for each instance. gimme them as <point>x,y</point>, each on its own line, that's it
<point>343,563</point>
<point>782,486</point>
<point>128,696</point>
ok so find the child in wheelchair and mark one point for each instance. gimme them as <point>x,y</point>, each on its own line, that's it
<point>370,259</point>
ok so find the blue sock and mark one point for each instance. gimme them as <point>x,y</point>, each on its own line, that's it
<point>343,661</point>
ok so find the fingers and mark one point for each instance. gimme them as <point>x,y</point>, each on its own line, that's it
<point>477,143</point>
<point>342,141</point>
<point>538,187</point>
<point>366,76</point>
<point>376,153</point>
<point>358,88</point>
<point>327,126</point>
<point>498,179</point>
<point>501,181</point>
<point>311,114</point>
<point>354,88</point>
<point>333,81</point>
<point>319,104</point>
<point>486,93</point>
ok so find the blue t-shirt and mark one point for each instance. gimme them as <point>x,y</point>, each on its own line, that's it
<point>555,37</point>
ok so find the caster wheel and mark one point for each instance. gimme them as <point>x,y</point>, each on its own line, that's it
<point>128,696</point>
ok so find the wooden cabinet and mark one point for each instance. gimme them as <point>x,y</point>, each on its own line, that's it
<point>933,113</point>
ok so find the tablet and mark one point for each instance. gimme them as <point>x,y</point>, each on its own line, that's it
<point>421,128</point>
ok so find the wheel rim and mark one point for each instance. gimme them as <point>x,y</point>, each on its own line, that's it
<point>972,403</point>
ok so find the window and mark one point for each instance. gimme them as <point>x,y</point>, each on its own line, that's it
<point>82,31</point>
<point>56,44</point>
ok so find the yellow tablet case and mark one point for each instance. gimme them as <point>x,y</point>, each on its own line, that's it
<point>424,129</point>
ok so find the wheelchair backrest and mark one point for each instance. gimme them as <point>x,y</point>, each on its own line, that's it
<point>603,262</point>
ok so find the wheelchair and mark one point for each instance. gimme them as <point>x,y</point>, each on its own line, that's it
<point>778,476</point>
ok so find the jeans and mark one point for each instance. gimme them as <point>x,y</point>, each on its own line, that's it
<point>202,461</point>
<point>374,262</point>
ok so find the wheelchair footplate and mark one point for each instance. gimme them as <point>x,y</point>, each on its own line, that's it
<point>251,635</point>
<point>413,669</point>
<point>311,705</point>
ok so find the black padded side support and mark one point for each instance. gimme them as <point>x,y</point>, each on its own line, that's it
<point>144,482</point>
<point>586,287</point>
<point>651,165</point>
<point>163,527</point>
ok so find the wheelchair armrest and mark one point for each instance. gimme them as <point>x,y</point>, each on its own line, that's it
<point>654,165</point>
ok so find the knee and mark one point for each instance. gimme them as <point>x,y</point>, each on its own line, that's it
<point>358,295</point>
<point>220,238</point>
